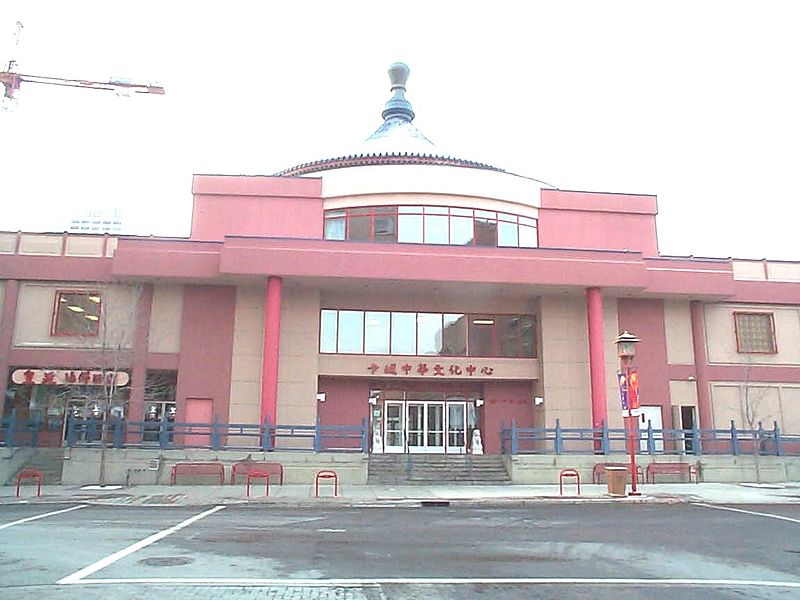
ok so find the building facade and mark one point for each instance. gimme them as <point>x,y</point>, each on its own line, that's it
<point>438,298</point>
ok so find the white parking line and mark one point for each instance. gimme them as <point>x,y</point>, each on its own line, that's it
<point>361,583</point>
<point>37,517</point>
<point>748,512</point>
<point>78,576</point>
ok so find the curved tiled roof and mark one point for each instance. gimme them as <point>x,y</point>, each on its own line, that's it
<point>395,142</point>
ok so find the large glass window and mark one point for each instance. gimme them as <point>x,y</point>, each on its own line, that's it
<point>431,225</point>
<point>427,334</point>
<point>376,336</point>
<point>351,332</point>
<point>404,333</point>
<point>455,335</point>
<point>77,313</point>
<point>327,331</point>
<point>335,225</point>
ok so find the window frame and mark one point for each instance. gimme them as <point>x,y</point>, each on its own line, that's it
<point>397,212</point>
<point>495,350</point>
<point>770,315</point>
<point>60,293</point>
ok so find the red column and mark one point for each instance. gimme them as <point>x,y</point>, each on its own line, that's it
<point>597,366</point>
<point>7,320</point>
<point>272,340</point>
<point>701,365</point>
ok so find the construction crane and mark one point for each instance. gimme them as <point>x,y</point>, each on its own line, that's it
<point>11,80</point>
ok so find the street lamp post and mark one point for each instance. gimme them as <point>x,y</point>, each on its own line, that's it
<point>629,394</point>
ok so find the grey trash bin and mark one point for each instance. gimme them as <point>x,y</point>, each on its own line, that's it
<point>617,478</point>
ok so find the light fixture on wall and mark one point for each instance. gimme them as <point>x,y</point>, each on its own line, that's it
<point>538,400</point>
<point>478,401</point>
<point>321,397</point>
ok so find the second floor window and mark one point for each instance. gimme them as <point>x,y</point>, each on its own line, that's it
<point>441,225</point>
<point>426,334</point>
<point>77,313</point>
<point>755,332</point>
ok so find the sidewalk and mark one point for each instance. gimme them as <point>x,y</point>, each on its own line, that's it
<point>373,495</point>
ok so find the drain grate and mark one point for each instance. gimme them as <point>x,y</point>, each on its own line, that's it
<point>438,503</point>
<point>166,561</point>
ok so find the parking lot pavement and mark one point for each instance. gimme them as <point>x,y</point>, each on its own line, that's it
<point>592,551</point>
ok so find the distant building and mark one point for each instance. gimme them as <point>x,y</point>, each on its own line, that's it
<point>97,220</point>
<point>426,294</point>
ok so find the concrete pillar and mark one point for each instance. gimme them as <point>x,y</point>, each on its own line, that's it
<point>272,341</point>
<point>701,365</point>
<point>144,308</point>
<point>7,320</point>
<point>597,366</point>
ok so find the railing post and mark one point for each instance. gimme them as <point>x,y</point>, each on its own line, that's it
<point>365,435</point>
<point>697,443</point>
<point>91,430</point>
<point>215,442</point>
<point>317,435</point>
<point>606,439</point>
<point>70,430</point>
<point>559,448</point>
<point>776,432</point>
<point>514,438</point>
<point>12,423</point>
<point>266,441</point>
<point>651,443</point>
<point>34,427</point>
<point>163,437</point>
<point>119,424</point>
<point>734,439</point>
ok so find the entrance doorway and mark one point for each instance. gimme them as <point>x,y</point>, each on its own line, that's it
<point>426,422</point>
<point>651,415</point>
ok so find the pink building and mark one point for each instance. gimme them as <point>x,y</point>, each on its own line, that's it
<point>433,296</point>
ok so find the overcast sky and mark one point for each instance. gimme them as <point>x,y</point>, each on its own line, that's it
<point>696,102</point>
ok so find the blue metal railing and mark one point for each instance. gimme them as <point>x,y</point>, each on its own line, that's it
<point>605,440</point>
<point>266,437</point>
<point>19,432</point>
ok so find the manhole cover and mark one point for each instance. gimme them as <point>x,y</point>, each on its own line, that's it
<point>166,561</point>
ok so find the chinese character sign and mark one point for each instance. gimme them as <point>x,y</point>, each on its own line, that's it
<point>62,377</point>
<point>430,369</point>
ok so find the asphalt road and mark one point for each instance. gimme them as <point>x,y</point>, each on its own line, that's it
<point>546,551</point>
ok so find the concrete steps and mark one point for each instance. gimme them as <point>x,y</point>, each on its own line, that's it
<point>50,461</point>
<point>422,469</point>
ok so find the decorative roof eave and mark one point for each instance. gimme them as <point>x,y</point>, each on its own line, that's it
<point>395,142</point>
<point>384,158</point>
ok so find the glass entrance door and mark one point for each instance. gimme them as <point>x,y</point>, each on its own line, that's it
<point>425,427</point>
<point>434,427</point>
<point>393,441</point>
<point>416,427</point>
<point>456,427</point>
<point>426,422</point>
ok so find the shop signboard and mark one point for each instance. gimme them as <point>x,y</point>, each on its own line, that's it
<point>69,377</point>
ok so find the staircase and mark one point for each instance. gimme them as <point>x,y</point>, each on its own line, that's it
<point>49,461</point>
<point>432,469</point>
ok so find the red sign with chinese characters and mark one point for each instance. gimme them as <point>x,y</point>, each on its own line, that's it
<point>62,377</point>
<point>429,369</point>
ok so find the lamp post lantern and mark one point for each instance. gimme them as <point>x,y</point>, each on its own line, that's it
<point>629,394</point>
